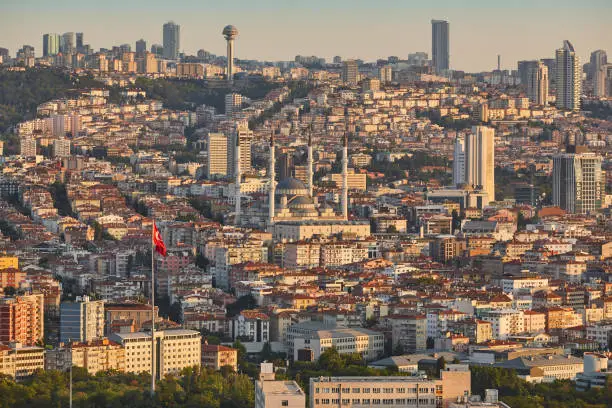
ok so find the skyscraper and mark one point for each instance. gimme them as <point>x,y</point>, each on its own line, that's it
<point>459,161</point>
<point>569,77</point>
<point>599,59</point>
<point>230,33</point>
<point>67,43</point>
<point>480,159</point>
<point>51,45</point>
<point>385,74</point>
<point>440,45</point>
<point>233,104</point>
<point>245,139</point>
<point>578,181</point>
<point>79,42</point>
<point>537,84</point>
<point>216,150</point>
<point>172,34</point>
<point>350,72</point>
<point>141,47</point>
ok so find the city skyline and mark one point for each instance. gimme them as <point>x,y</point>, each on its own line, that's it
<point>477,34</point>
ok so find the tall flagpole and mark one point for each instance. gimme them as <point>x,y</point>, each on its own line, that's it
<point>153,309</point>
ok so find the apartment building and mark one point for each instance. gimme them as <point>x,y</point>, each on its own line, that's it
<point>176,349</point>
<point>22,319</point>
<point>408,332</point>
<point>94,356</point>
<point>216,356</point>
<point>505,322</point>
<point>82,320</point>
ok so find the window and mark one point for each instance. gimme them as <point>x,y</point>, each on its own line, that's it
<point>376,390</point>
<point>356,390</point>
<point>346,401</point>
<point>365,401</point>
<point>376,402</point>
<point>347,390</point>
<point>335,401</point>
<point>285,403</point>
<point>356,401</point>
<point>366,390</point>
<point>388,390</point>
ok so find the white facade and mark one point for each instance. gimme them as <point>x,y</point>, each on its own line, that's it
<point>504,323</point>
<point>459,161</point>
<point>480,159</point>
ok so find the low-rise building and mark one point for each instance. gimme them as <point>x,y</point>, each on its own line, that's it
<point>217,356</point>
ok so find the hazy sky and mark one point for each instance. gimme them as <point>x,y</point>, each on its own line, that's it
<point>281,29</point>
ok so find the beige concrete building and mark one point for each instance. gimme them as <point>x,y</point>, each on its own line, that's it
<point>176,349</point>
<point>319,337</point>
<point>415,391</point>
<point>94,356</point>
<point>216,357</point>
<point>356,181</point>
<point>279,394</point>
<point>217,158</point>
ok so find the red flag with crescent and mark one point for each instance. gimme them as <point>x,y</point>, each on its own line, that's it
<point>158,242</point>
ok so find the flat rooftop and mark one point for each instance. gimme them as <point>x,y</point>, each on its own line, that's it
<point>281,388</point>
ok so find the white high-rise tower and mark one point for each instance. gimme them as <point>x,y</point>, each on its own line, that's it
<point>238,174</point>
<point>272,174</point>
<point>345,178</point>
<point>230,33</point>
<point>569,77</point>
<point>480,159</point>
<point>459,161</point>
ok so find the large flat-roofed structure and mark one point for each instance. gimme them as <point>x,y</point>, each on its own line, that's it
<point>416,391</point>
<point>278,394</point>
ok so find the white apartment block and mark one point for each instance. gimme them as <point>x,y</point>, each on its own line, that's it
<point>505,322</point>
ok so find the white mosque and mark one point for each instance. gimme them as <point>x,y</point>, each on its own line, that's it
<point>293,213</point>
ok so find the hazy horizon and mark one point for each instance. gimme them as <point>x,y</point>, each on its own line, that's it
<point>276,30</point>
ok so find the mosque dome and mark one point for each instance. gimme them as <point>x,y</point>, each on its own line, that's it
<point>291,187</point>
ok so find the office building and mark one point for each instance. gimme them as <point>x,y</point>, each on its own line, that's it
<point>279,394</point>
<point>523,68</point>
<point>233,104</point>
<point>350,72</point>
<point>51,45</point>
<point>82,320</point>
<point>230,33</point>
<point>141,47</point>
<point>22,319</point>
<point>459,161</point>
<point>245,136</point>
<point>172,38</point>
<point>568,78</point>
<point>217,159</point>
<point>537,84</point>
<point>318,337</point>
<point>385,74</point>
<point>413,391</point>
<point>27,146</point>
<point>355,181</point>
<point>67,43</point>
<point>175,350</point>
<point>440,46</point>
<point>480,160</point>
<point>61,148</point>
<point>79,42</point>
<point>578,182</point>
<point>597,72</point>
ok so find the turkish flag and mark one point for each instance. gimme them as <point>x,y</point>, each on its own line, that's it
<point>158,242</point>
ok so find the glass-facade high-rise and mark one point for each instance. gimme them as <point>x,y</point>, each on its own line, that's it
<point>51,45</point>
<point>172,34</point>
<point>440,45</point>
